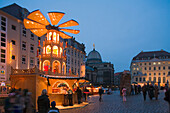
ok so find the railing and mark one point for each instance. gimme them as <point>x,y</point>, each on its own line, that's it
<point>53,42</point>
<point>24,71</point>
<point>53,55</point>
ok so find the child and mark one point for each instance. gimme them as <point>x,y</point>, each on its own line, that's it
<point>124,94</point>
<point>53,109</point>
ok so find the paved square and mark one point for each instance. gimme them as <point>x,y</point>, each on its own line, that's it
<point>114,104</point>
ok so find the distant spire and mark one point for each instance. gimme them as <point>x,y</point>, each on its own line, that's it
<point>93,46</point>
<point>154,55</point>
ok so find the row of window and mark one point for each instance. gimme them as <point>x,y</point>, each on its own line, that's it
<point>72,70</point>
<point>3,23</point>
<point>75,53</point>
<point>155,79</point>
<point>31,47</point>
<point>154,73</point>
<point>150,63</point>
<point>24,60</point>
<point>153,68</point>
<point>148,58</point>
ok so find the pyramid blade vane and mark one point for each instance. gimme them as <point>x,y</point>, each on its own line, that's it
<point>55,17</point>
<point>31,24</point>
<point>70,31</point>
<point>38,17</point>
<point>63,35</point>
<point>69,23</point>
<point>39,32</point>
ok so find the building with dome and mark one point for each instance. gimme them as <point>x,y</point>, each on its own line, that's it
<point>97,71</point>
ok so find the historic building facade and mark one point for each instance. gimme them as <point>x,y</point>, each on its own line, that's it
<point>104,70</point>
<point>76,54</point>
<point>19,47</point>
<point>153,67</point>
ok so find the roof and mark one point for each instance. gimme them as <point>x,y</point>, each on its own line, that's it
<point>94,55</point>
<point>152,54</point>
<point>118,73</point>
<point>16,11</point>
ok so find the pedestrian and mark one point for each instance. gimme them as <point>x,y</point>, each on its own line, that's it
<point>53,109</point>
<point>70,98</point>
<point>132,90</point>
<point>144,90</point>
<point>139,89</point>
<point>79,95</point>
<point>28,103</point>
<point>100,93</point>
<point>156,92</point>
<point>167,97</point>
<point>151,91</point>
<point>124,94</point>
<point>43,102</point>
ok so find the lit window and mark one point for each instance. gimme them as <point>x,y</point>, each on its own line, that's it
<point>137,69</point>
<point>48,49</point>
<point>54,36</point>
<point>154,63</point>
<point>55,50</point>
<point>50,35</point>
<point>134,68</point>
<point>159,62</point>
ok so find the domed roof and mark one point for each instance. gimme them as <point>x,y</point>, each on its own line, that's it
<point>94,56</point>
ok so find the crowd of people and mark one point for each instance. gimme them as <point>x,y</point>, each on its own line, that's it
<point>19,101</point>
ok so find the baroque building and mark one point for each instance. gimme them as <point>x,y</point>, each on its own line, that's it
<point>152,66</point>
<point>19,47</point>
<point>97,71</point>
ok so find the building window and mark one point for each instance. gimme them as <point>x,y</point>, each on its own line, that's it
<point>154,73</point>
<point>31,61</point>
<point>154,63</point>
<point>75,62</point>
<point>159,73</point>
<point>13,27</point>
<point>32,36</point>
<point>145,63</point>
<point>13,42</point>
<point>145,68</point>
<point>24,32</point>
<point>154,79</point>
<point>159,68</point>
<point>72,61</point>
<point>75,53</point>
<point>159,63</point>
<point>140,79</point>
<point>149,63</point>
<point>23,45</point>
<point>169,67</point>
<point>105,65</point>
<point>68,51</point>
<point>13,57</point>
<point>164,68</point>
<point>150,74</point>
<point>72,52</point>
<point>3,23</point>
<point>136,79</point>
<point>169,73</point>
<point>3,55</point>
<point>164,79</point>
<point>159,79</point>
<point>144,79</point>
<point>149,68</point>
<point>163,73</point>
<point>31,48</point>
<point>154,68</point>
<point>23,59</point>
<point>3,39</point>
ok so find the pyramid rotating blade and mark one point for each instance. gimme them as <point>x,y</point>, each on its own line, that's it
<point>38,17</point>
<point>55,17</point>
<point>63,35</point>
<point>31,24</point>
<point>70,31</point>
<point>39,32</point>
<point>69,23</point>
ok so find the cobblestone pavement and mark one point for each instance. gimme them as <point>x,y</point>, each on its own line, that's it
<point>114,104</point>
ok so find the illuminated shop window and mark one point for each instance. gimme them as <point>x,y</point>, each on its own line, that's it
<point>55,50</point>
<point>48,49</point>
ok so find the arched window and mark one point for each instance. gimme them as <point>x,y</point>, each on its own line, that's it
<point>48,49</point>
<point>61,51</point>
<point>54,36</point>
<point>49,36</point>
<point>46,65</point>
<point>58,37</point>
<point>55,50</point>
<point>56,67</point>
<point>64,68</point>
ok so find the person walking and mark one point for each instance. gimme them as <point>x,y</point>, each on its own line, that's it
<point>167,97</point>
<point>100,94</point>
<point>156,92</point>
<point>79,95</point>
<point>151,91</point>
<point>144,90</point>
<point>124,94</point>
<point>43,102</point>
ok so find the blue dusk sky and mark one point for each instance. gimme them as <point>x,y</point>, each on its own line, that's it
<point>120,29</point>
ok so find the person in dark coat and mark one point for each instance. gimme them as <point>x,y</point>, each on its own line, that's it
<point>43,102</point>
<point>156,92</point>
<point>100,94</point>
<point>167,97</point>
<point>79,95</point>
<point>144,90</point>
<point>151,91</point>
